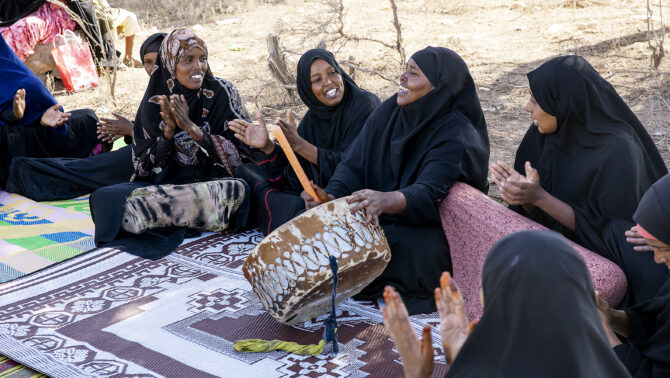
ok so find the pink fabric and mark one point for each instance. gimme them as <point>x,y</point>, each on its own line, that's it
<point>473,223</point>
<point>41,26</point>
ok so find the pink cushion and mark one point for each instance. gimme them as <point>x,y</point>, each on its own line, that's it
<point>473,222</point>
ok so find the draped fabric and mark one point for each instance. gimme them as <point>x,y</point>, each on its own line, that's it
<point>540,317</point>
<point>210,107</point>
<point>600,161</point>
<point>151,44</point>
<point>420,150</point>
<point>646,352</point>
<point>14,75</point>
<point>14,10</point>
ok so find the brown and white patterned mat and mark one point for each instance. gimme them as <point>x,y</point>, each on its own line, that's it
<point>108,313</point>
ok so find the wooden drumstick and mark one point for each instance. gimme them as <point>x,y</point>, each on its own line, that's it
<point>297,168</point>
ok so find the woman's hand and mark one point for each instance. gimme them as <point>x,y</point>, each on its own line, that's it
<point>311,202</point>
<point>290,131</point>
<point>616,319</point>
<point>522,190</point>
<point>377,203</point>
<point>417,356</point>
<point>454,327</point>
<point>179,109</point>
<point>111,129</point>
<point>634,237</point>
<point>254,135</point>
<point>168,118</point>
<point>53,117</point>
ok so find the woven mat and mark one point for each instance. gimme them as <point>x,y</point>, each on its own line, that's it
<point>10,368</point>
<point>110,313</point>
<point>35,235</point>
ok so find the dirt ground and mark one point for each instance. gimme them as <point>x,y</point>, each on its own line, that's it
<point>500,41</point>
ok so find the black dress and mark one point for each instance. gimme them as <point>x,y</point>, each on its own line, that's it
<point>646,352</point>
<point>331,129</point>
<point>179,160</point>
<point>420,150</point>
<point>540,317</point>
<point>600,162</point>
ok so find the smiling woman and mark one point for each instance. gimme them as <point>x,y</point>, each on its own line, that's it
<point>180,136</point>
<point>338,109</point>
<point>411,150</point>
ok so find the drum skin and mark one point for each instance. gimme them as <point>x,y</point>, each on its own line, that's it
<point>290,270</point>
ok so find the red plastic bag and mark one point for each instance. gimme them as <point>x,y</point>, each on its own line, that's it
<point>75,63</point>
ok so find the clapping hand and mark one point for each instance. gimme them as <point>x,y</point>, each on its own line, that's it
<point>516,189</point>
<point>253,134</point>
<point>112,129</point>
<point>53,117</point>
<point>417,356</point>
<point>454,327</point>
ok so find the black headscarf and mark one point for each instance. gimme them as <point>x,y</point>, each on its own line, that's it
<point>330,128</point>
<point>600,161</point>
<point>151,44</point>
<point>421,148</point>
<point>210,107</point>
<point>540,317</point>
<point>14,10</point>
<point>653,212</point>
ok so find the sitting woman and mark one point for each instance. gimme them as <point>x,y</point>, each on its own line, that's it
<point>181,136</point>
<point>49,179</point>
<point>587,161</point>
<point>32,122</point>
<point>338,109</point>
<point>420,141</point>
<point>540,318</point>
<point>646,326</point>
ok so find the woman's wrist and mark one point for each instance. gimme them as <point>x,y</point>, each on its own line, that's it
<point>541,199</point>
<point>269,147</point>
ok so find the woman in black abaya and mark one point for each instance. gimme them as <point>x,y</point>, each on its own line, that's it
<point>540,318</point>
<point>181,136</point>
<point>48,179</point>
<point>583,166</point>
<point>646,326</point>
<point>412,148</point>
<point>337,109</point>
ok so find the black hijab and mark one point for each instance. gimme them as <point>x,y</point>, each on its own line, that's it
<point>210,107</point>
<point>647,352</point>
<point>151,44</point>
<point>653,212</point>
<point>14,10</point>
<point>540,317</point>
<point>600,161</point>
<point>428,144</point>
<point>330,128</point>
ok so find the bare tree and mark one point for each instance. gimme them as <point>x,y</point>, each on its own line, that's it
<point>655,37</point>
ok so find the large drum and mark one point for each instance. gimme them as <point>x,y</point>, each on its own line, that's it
<point>290,270</point>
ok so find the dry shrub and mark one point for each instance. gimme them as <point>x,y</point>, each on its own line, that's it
<point>450,6</point>
<point>159,13</point>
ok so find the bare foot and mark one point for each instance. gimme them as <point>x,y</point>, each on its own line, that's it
<point>453,320</point>
<point>417,356</point>
<point>19,103</point>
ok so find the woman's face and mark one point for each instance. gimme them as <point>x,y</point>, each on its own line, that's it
<point>545,123</point>
<point>149,61</point>
<point>661,251</point>
<point>413,84</point>
<point>191,69</point>
<point>327,84</point>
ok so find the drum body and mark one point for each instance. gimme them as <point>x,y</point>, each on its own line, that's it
<point>290,270</point>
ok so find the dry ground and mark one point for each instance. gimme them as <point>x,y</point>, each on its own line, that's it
<point>500,40</point>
